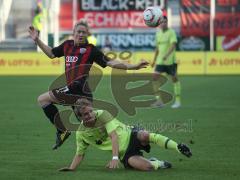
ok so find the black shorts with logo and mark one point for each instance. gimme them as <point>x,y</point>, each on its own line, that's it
<point>68,95</point>
<point>169,69</point>
<point>134,148</point>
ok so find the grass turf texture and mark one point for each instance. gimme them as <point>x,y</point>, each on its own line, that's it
<point>211,103</point>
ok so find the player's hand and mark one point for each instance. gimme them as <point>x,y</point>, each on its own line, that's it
<point>33,33</point>
<point>143,64</point>
<point>65,169</point>
<point>113,164</point>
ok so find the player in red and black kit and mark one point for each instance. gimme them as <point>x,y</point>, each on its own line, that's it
<point>79,57</point>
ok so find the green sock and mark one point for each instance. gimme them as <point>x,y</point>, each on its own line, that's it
<point>162,141</point>
<point>177,91</point>
<point>155,164</point>
<point>156,85</point>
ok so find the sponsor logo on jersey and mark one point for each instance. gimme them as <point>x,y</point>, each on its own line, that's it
<point>70,59</point>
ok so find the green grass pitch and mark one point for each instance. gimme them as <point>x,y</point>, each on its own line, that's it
<point>211,104</point>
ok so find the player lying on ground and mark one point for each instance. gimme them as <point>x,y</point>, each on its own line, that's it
<point>104,132</point>
<point>79,57</point>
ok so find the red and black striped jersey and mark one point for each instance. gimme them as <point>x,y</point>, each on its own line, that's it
<point>79,59</point>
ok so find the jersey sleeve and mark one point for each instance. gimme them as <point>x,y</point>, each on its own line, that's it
<point>110,122</point>
<point>81,144</point>
<point>58,51</point>
<point>111,125</point>
<point>173,38</point>
<point>100,58</point>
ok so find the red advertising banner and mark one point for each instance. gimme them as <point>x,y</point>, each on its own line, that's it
<point>189,3</point>
<point>227,2</point>
<point>65,18</point>
<point>195,24</point>
<point>114,19</point>
<point>108,13</point>
<point>227,24</point>
<point>195,17</point>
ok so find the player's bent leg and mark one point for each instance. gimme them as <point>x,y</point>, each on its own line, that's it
<point>145,138</point>
<point>46,101</point>
<point>162,141</point>
<point>143,164</point>
<point>140,163</point>
<point>167,143</point>
<point>46,98</point>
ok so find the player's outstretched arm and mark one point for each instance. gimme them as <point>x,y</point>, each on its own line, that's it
<point>155,57</point>
<point>121,65</point>
<point>35,37</point>
<point>113,164</point>
<point>76,161</point>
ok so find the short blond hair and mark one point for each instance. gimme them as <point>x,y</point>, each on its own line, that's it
<point>81,22</point>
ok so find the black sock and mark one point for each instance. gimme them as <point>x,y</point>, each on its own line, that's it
<point>51,111</point>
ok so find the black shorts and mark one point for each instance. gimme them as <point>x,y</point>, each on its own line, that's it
<point>169,69</point>
<point>134,149</point>
<point>68,95</point>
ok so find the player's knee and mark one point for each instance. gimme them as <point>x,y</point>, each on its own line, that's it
<point>40,100</point>
<point>143,136</point>
<point>43,100</point>
<point>146,136</point>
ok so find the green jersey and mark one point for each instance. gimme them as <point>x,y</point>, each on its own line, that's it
<point>164,40</point>
<point>98,136</point>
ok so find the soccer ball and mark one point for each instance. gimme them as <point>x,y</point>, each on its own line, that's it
<point>152,16</point>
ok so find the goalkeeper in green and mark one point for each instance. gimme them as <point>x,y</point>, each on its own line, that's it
<point>99,129</point>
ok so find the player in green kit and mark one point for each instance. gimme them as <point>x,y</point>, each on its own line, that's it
<point>165,62</point>
<point>99,129</point>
